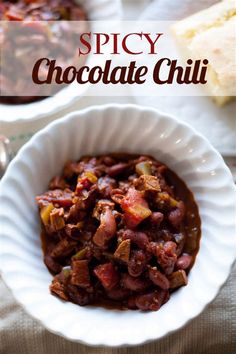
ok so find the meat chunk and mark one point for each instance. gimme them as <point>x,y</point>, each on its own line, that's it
<point>72,231</point>
<point>58,289</point>
<point>123,251</point>
<point>80,273</point>
<point>85,199</point>
<point>57,219</point>
<point>148,183</point>
<point>177,279</point>
<point>101,206</point>
<point>63,248</point>
<point>106,229</point>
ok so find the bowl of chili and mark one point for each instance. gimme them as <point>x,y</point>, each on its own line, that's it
<point>43,21</point>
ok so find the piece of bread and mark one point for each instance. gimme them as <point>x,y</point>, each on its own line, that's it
<point>211,34</point>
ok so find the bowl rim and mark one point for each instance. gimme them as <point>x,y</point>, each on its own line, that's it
<point>82,115</point>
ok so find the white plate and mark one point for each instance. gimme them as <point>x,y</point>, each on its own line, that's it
<point>217,124</point>
<point>104,10</point>
<point>110,128</point>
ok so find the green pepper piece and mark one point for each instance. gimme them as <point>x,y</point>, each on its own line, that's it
<point>66,272</point>
<point>45,213</point>
<point>108,255</point>
<point>143,168</point>
<point>80,254</point>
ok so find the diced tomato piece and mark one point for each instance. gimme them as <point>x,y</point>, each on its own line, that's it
<point>14,15</point>
<point>107,274</point>
<point>135,207</point>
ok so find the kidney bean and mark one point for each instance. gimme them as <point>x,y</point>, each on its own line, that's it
<point>147,302</point>
<point>176,216</point>
<point>117,169</point>
<point>180,240</point>
<point>166,256</point>
<point>109,161</point>
<point>134,284</point>
<point>137,237</point>
<point>131,302</point>
<point>52,265</point>
<point>118,293</point>
<point>137,263</point>
<point>164,296</point>
<point>184,262</point>
<point>156,218</point>
<point>117,198</point>
<point>77,295</point>
<point>158,278</point>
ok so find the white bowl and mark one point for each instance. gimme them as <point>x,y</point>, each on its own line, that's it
<point>104,10</point>
<point>96,130</point>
